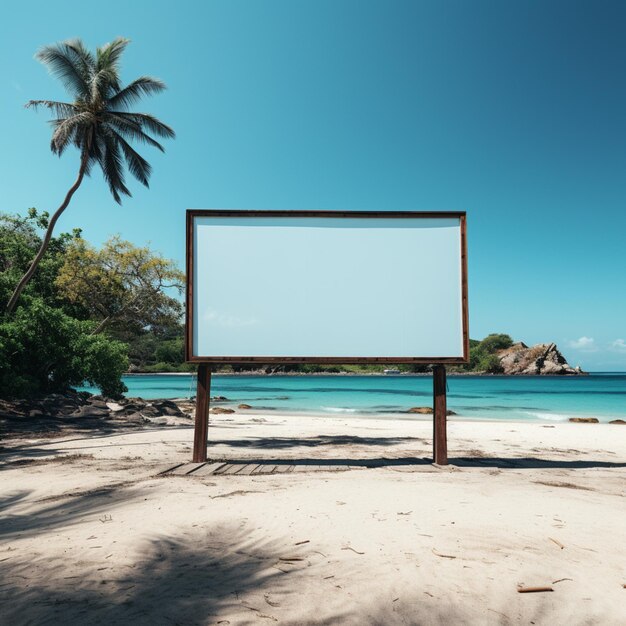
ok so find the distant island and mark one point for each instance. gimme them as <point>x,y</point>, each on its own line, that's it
<point>540,359</point>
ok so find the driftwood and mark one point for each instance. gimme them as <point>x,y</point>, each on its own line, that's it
<point>521,589</point>
<point>444,556</point>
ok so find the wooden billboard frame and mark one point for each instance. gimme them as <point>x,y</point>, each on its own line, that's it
<point>205,363</point>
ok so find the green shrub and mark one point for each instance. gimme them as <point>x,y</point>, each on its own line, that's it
<point>489,363</point>
<point>43,350</point>
<point>494,342</point>
<point>165,368</point>
<point>171,351</point>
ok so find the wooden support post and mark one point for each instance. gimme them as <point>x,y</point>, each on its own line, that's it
<point>203,396</point>
<point>440,436</point>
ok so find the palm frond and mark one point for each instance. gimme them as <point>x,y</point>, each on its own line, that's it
<point>67,129</point>
<point>105,79</point>
<point>142,86</point>
<point>59,108</point>
<point>130,129</point>
<point>113,167</point>
<point>103,83</point>
<point>66,61</point>
<point>63,136</point>
<point>150,123</point>
<point>86,60</point>
<point>137,165</point>
<point>108,56</point>
<point>96,149</point>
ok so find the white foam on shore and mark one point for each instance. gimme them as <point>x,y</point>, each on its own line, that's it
<point>553,417</point>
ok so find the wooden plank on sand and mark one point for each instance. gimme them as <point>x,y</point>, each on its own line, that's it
<point>187,468</point>
<point>209,468</point>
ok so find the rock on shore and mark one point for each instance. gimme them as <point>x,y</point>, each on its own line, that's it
<point>541,359</point>
<point>81,405</point>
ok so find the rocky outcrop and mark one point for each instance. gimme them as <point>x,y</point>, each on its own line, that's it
<point>220,410</point>
<point>81,406</point>
<point>541,359</point>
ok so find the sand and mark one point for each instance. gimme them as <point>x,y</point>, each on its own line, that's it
<point>91,533</point>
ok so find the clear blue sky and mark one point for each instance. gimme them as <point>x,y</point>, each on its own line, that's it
<point>512,111</point>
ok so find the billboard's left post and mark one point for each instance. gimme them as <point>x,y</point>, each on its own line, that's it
<point>203,396</point>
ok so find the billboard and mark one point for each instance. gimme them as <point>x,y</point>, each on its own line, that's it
<point>326,287</point>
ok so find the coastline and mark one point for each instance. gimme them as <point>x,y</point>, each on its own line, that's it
<point>497,397</point>
<point>405,416</point>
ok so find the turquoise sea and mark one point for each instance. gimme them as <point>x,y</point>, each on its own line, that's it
<point>534,398</point>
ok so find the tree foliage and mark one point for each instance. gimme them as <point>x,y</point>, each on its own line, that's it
<point>494,342</point>
<point>483,354</point>
<point>122,287</point>
<point>42,350</point>
<point>19,239</point>
<point>55,339</point>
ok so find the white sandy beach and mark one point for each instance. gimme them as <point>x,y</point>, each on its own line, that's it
<point>91,533</point>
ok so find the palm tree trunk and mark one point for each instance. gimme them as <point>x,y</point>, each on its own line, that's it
<point>46,240</point>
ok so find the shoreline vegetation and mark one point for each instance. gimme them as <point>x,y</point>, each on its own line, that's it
<point>497,354</point>
<point>262,372</point>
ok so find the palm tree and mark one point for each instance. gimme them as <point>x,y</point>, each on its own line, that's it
<point>98,122</point>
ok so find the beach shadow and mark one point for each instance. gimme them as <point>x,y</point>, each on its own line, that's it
<point>412,461</point>
<point>221,572</point>
<point>531,463</point>
<point>15,427</point>
<point>29,453</point>
<point>334,462</point>
<point>279,443</point>
<point>59,511</point>
<point>220,576</point>
<point>19,455</point>
<point>46,426</point>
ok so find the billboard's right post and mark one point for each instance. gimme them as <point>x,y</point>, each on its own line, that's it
<point>440,436</point>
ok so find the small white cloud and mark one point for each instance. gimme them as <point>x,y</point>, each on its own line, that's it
<point>226,320</point>
<point>619,345</point>
<point>584,344</point>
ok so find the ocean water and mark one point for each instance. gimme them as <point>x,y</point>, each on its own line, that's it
<point>535,398</point>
